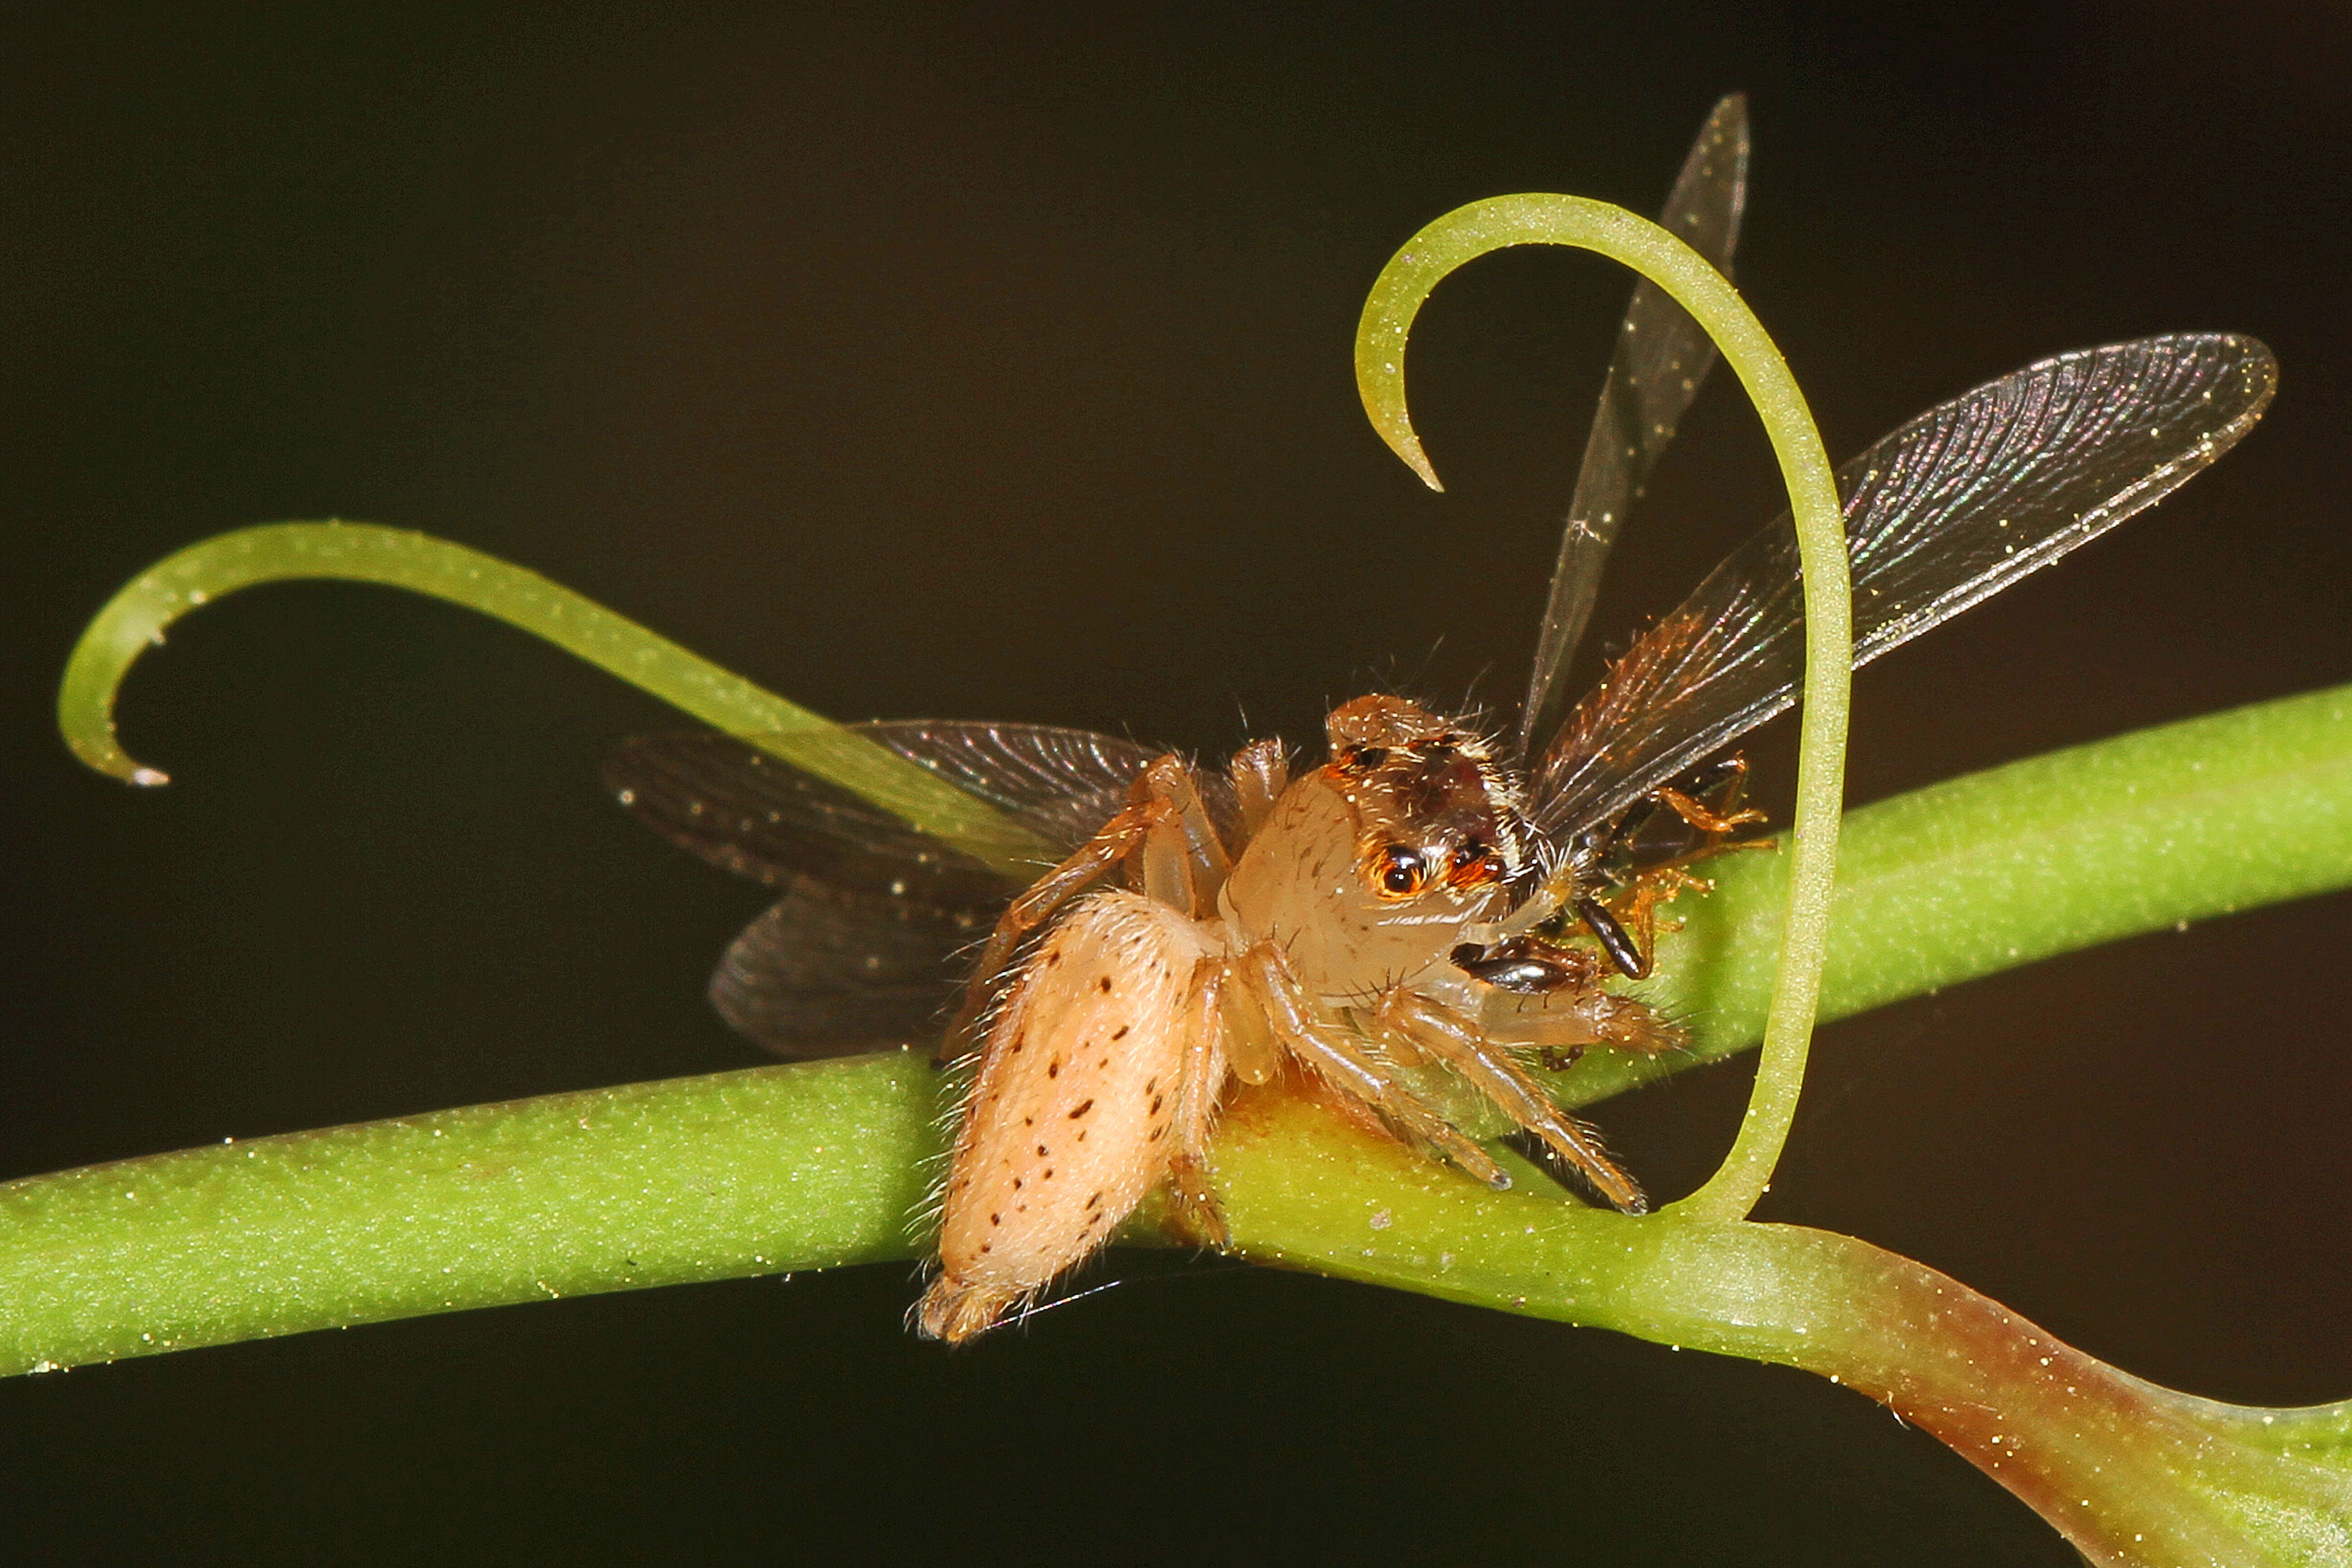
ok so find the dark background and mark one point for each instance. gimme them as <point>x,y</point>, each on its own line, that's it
<point>997,365</point>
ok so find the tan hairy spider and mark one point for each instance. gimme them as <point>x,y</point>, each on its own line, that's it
<point>1317,928</point>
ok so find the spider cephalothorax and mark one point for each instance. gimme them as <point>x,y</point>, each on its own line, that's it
<point>1434,807</point>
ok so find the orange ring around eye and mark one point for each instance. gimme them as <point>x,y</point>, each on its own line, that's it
<point>1397,872</point>
<point>1475,868</point>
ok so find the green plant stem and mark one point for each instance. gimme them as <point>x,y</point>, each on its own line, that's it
<point>1396,296</point>
<point>776,1169</point>
<point>2128,1472</point>
<point>137,617</point>
<point>718,1177</point>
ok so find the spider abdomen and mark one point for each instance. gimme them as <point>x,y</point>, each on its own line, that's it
<point>1072,1114</point>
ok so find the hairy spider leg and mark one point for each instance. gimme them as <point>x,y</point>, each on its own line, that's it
<point>1489,1065</point>
<point>1337,1056</point>
<point>1164,818</point>
<point>1197,1094</point>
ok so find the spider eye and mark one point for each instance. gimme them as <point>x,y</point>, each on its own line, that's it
<point>1398,871</point>
<point>1475,865</point>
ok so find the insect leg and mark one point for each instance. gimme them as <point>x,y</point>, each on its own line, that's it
<point>1706,799</point>
<point>1727,814</point>
<point>1495,1073</point>
<point>1338,1058</point>
<point>1625,926</point>
<point>1632,958</point>
<point>1725,779</point>
<point>1596,845</point>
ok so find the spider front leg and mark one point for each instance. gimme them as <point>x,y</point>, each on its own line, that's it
<point>1438,1031</point>
<point>1337,1056</point>
<point>1260,773</point>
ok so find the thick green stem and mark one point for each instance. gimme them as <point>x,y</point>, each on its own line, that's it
<point>737,1173</point>
<point>776,1169</point>
<point>1472,231</point>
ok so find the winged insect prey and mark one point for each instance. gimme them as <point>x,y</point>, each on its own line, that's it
<point>1425,915</point>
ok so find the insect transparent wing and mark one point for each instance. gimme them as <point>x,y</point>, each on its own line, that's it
<point>1060,783</point>
<point>1954,506</point>
<point>759,816</point>
<point>1660,358</point>
<point>828,971</point>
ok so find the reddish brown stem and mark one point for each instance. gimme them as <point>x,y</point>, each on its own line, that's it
<point>2130,1473</point>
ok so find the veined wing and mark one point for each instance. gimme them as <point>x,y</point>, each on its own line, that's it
<point>1661,357</point>
<point>1955,505</point>
<point>825,971</point>
<point>863,949</point>
<point>759,816</point>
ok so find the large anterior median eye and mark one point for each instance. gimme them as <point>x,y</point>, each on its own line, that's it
<point>1398,871</point>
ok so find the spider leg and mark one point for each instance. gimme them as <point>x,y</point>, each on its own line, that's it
<point>1112,844</point>
<point>1183,868</point>
<point>1490,1066</point>
<point>1337,1056</point>
<point>1198,1089</point>
<point>1073,1113</point>
<point>1183,862</point>
<point>1260,773</point>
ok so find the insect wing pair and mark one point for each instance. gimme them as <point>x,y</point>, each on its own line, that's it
<point>862,948</point>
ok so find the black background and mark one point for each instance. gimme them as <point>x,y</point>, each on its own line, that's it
<point>996,365</point>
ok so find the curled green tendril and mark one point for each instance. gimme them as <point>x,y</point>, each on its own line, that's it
<point>136,617</point>
<point>1470,232</point>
